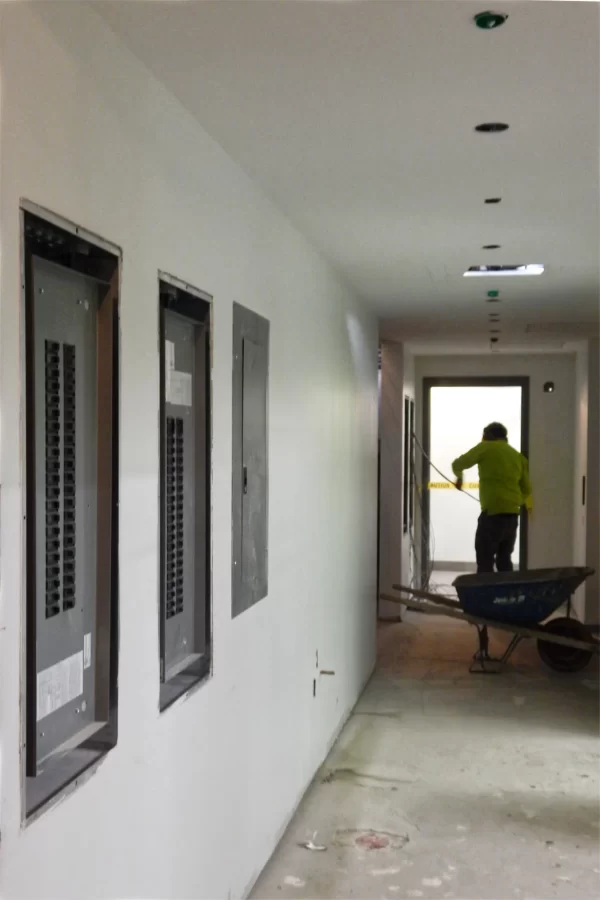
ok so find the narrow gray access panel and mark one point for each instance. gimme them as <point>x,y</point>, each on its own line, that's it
<point>250,459</point>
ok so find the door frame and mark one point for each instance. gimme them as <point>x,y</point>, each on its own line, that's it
<point>483,381</point>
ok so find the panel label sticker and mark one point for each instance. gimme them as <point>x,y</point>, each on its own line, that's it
<point>179,388</point>
<point>169,356</point>
<point>59,684</point>
<point>87,650</point>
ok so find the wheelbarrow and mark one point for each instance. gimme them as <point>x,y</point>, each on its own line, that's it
<point>521,603</point>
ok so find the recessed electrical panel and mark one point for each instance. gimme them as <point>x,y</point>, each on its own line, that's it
<point>185,487</point>
<point>71,295</point>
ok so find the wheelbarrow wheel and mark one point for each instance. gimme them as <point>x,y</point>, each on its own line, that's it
<point>559,657</point>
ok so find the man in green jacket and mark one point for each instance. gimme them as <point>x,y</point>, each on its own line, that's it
<point>504,487</point>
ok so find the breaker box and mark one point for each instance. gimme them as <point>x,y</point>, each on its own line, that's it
<point>250,458</point>
<point>64,317</point>
<point>185,488</point>
<point>70,638</point>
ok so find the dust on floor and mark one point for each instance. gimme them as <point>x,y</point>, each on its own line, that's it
<point>450,785</point>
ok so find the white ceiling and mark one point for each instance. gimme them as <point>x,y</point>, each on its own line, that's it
<point>358,120</point>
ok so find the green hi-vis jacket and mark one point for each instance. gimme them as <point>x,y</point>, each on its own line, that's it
<point>504,485</point>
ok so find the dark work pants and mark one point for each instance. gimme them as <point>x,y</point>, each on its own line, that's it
<point>495,541</point>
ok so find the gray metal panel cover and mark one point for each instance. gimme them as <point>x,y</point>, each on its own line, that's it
<point>65,307</point>
<point>250,458</point>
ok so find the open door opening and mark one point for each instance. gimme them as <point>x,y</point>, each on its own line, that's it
<point>454,415</point>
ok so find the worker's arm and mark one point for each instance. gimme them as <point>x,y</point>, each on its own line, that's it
<point>525,485</point>
<point>467,461</point>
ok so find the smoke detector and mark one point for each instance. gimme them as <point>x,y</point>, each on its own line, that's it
<point>487,21</point>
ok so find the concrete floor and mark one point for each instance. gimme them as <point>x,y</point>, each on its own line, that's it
<point>450,785</point>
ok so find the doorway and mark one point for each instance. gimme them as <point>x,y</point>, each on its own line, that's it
<point>455,412</point>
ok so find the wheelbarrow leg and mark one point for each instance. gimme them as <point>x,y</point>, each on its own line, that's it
<point>482,655</point>
<point>483,663</point>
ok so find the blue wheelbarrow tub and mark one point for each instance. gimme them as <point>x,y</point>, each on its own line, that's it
<point>519,598</point>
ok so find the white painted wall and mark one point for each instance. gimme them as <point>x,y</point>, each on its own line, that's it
<point>391,488</point>
<point>191,802</point>
<point>551,440</point>
<point>396,383</point>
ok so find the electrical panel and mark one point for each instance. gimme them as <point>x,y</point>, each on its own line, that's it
<point>65,306</point>
<point>70,639</point>
<point>179,489</point>
<point>250,458</point>
<point>185,488</point>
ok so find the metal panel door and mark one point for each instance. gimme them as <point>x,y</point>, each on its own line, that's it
<point>250,493</point>
<point>254,499</point>
<point>65,306</point>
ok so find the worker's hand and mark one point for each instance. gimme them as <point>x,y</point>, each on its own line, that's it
<point>459,484</point>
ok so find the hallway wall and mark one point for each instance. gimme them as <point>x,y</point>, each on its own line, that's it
<point>396,383</point>
<point>551,440</point>
<point>190,803</point>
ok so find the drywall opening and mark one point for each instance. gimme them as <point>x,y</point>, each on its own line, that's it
<point>70,296</point>
<point>185,464</point>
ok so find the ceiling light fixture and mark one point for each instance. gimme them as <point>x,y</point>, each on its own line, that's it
<point>493,200</point>
<point>489,20</point>
<point>492,127</point>
<point>503,271</point>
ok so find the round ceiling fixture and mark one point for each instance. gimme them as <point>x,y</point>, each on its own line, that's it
<point>492,127</point>
<point>491,247</point>
<point>493,200</point>
<point>489,20</point>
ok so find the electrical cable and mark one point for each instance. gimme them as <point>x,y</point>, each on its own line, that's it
<point>440,473</point>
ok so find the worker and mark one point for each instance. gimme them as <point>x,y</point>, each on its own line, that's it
<point>504,487</point>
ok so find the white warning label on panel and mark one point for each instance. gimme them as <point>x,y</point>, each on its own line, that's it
<point>87,650</point>
<point>169,355</point>
<point>179,388</point>
<point>59,684</point>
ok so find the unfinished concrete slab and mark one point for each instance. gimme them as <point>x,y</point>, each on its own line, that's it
<point>450,785</point>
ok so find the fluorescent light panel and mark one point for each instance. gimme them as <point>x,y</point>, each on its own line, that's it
<point>503,271</point>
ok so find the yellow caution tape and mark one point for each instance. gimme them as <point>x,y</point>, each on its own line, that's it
<point>443,485</point>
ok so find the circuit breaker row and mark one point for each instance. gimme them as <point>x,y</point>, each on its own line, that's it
<point>60,431</point>
<point>174,472</point>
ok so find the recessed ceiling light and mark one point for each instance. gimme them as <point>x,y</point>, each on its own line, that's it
<point>503,271</point>
<point>489,20</point>
<point>491,247</point>
<point>493,200</point>
<point>491,127</point>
